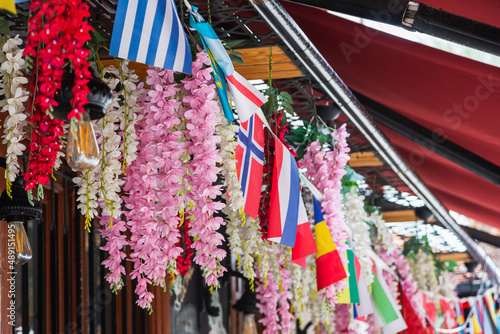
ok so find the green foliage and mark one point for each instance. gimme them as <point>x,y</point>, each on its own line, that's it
<point>235,56</point>
<point>444,266</point>
<point>350,180</point>
<point>414,244</point>
<point>308,133</point>
<point>4,27</point>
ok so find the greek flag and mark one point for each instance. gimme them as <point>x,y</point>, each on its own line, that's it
<point>151,33</point>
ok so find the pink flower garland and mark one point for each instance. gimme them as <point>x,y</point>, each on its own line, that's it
<point>115,243</point>
<point>287,319</point>
<point>343,319</point>
<point>268,296</point>
<point>201,117</point>
<point>154,181</point>
<point>325,170</point>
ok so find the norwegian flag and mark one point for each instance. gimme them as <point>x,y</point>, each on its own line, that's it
<point>250,162</point>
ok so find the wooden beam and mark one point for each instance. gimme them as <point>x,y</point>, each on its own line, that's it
<point>256,64</point>
<point>364,159</point>
<point>402,216</point>
<point>457,257</point>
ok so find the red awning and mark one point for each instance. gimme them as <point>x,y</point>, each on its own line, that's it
<point>456,97</point>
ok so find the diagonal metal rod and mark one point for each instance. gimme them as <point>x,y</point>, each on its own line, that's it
<point>287,29</point>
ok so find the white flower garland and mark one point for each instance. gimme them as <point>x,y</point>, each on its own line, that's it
<point>355,218</point>
<point>383,232</point>
<point>15,96</point>
<point>233,196</point>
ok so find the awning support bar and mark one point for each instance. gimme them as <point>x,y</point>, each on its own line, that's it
<point>290,33</point>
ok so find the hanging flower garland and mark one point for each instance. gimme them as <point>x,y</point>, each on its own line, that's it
<point>155,181</point>
<point>13,103</point>
<point>325,170</point>
<point>355,218</point>
<point>393,256</point>
<point>57,33</point>
<point>122,116</point>
<point>233,195</point>
<point>286,317</point>
<point>201,117</point>
<point>268,296</point>
<point>114,246</point>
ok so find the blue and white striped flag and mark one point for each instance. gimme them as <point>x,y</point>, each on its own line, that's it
<point>150,32</point>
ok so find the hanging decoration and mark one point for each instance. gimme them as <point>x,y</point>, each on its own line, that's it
<point>15,97</point>
<point>356,219</point>
<point>201,117</point>
<point>325,170</point>
<point>53,42</point>
<point>155,183</point>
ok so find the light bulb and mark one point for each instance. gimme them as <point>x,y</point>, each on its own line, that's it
<point>82,152</point>
<point>17,235</point>
<point>249,324</point>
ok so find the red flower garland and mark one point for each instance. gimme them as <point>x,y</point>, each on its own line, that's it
<point>184,259</point>
<point>268,169</point>
<point>57,33</point>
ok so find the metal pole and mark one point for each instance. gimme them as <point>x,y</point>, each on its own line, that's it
<point>287,29</point>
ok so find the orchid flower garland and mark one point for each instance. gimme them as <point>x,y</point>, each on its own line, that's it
<point>355,218</point>
<point>122,115</point>
<point>15,97</point>
<point>392,255</point>
<point>57,32</point>
<point>155,181</point>
<point>286,317</point>
<point>268,296</point>
<point>325,170</point>
<point>201,117</point>
<point>233,195</point>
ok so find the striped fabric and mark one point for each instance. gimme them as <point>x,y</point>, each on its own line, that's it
<point>304,241</point>
<point>249,163</point>
<point>329,266</point>
<point>151,33</point>
<point>285,194</point>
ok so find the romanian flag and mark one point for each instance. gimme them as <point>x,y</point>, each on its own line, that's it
<point>329,267</point>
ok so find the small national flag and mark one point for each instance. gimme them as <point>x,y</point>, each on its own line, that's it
<point>345,295</point>
<point>249,163</point>
<point>365,306</point>
<point>304,242</point>
<point>285,195</point>
<point>491,308</point>
<point>460,316</point>
<point>381,301</point>
<point>450,319</point>
<point>150,32</point>
<point>207,32</point>
<point>411,318</point>
<point>246,97</point>
<point>329,266</point>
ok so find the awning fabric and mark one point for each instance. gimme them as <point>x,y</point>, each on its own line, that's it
<point>456,97</point>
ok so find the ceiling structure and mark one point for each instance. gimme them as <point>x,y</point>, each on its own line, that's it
<point>421,85</point>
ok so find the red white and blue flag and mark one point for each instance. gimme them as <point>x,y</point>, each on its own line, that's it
<point>304,242</point>
<point>250,162</point>
<point>150,32</point>
<point>285,197</point>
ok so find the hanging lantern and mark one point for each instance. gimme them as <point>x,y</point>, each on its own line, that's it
<point>16,210</point>
<point>82,151</point>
